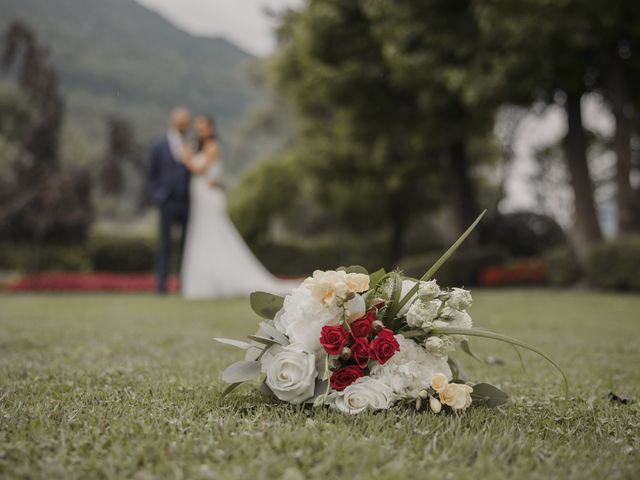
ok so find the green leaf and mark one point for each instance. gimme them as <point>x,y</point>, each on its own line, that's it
<point>464,345</point>
<point>375,278</point>
<point>457,371</point>
<point>265,341</point>
<point>276,334</point>
<point>266,304</point>
<point>396,290</point>
<point>436,266</point>
<point>478,332</point>
<point>357,269</point>
<point>488,395</point>
<point>230,389</point>
<point>234,343</point>
<point>241,371</point>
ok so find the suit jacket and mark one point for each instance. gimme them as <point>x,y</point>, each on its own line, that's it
<point>168,177</point>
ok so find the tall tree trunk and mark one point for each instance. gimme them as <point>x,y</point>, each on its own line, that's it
<point>462,195</point>
<point>587,228</point>
<point>626,197</point>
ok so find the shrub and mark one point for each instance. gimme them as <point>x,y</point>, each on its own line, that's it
<point>519,272</point>
<point>117,254</point>
<point>615,264</point>
<point>563,267</point>
<point>21,256</point>
<point>523,234</point>
<point>462,269</point>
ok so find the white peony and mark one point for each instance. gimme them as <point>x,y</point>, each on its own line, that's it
<point>411,369</point>
<point>423,313</point>
<point>459,299</point>
<point>428,290</point>
<point>302,317</point>
<point>330,286</point>
<point>456,395</point>
<point>365,393</point>
<point>291,372</point>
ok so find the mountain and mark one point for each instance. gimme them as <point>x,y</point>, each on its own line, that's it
<point>117,57</point>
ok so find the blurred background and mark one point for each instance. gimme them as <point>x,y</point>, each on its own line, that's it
<point>364,132</point>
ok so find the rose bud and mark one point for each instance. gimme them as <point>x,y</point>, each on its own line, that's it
<point>435,404</point>
<point>423,394</point>
<point>377,326</point>
<point>346,353</point>
<point>334,364</point>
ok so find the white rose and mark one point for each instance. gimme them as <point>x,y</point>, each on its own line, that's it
<point>422,313</point>
<point>365,393</point>
<point>459,299</point>
<point>440,346</point>
<point>410,370</point>
<point>291,372</point>
<point>454,319</point>
<point>428,290</point>
<point>457,396</point>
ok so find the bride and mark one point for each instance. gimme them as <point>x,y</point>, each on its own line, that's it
<point>217,263</point>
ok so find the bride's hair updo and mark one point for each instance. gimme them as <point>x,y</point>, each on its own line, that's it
<point>212,123</point>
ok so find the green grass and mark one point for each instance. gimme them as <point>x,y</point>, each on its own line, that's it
<point>127,386</point>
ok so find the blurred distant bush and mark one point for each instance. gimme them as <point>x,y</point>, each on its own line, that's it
<point>58,258</point>
<point>120,254</point>
<point>519,272</point>
<point>462,269</point>
<point>563,266</point>
<point>523,234</point>
<point>615,264</point>
<point>265,190</point>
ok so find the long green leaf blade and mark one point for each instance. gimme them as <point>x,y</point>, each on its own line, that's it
<point>477,332</point>
<point>436,266</point>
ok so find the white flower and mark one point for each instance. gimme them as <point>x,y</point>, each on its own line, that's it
<point>459,299</point>
<point>422,313</point>
<point>365,393</point>
<point>439,345</point>
<point>291,372</point>
<point>355,308</point>
<point>428,290</point>
<point>357,282</point>
<point>454,319</point>
<point>439,382</point>
<point>435,405</point>
<point>327,287</point>
<point>302,317</point>
<point>457,396</point>
<point>411,369</point>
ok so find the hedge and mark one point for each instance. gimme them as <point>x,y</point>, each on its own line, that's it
<point>615,264</point>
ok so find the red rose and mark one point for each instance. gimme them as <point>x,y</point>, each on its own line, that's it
<point>342,378</point>
<point>384,346</point>
<point>333,338</point>
<point>362,326</point>
<point>360,351</point>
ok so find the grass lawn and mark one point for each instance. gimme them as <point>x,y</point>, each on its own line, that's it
<point>113,386</point>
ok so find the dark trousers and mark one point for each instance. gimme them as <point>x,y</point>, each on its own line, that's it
<point>171,213</point>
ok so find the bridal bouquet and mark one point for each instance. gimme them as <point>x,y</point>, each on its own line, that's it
<point>357,341</point>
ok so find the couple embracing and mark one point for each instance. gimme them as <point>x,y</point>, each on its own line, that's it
<point>185,184</point>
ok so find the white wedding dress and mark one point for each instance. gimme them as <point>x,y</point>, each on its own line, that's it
<point>217,263</point>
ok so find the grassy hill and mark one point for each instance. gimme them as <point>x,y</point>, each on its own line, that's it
<point>117,57</point>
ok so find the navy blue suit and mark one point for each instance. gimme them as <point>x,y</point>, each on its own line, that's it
<point>169,189</point>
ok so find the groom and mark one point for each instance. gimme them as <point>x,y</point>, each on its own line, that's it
<point>169,188</point>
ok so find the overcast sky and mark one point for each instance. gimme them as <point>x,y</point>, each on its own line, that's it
<point>243,22</point>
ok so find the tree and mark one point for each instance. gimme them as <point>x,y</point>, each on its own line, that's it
<point>42,200</point>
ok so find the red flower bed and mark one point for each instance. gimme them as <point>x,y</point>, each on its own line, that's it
<point>521,272</point>
<point>86,282</point>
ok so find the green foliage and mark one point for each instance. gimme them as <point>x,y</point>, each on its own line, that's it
<point>615,264</point>
<point>462,269</point>
<point>523,234</point>
<point>121,254</point>
<point>53,257</point>
<point>563,266</point>
<point>148,369</point>
<point>266,189</point>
